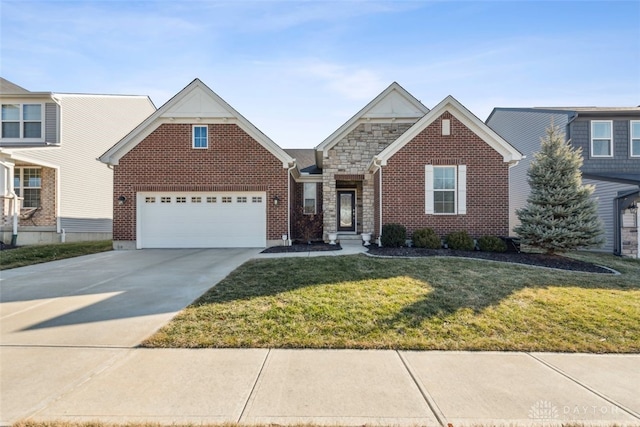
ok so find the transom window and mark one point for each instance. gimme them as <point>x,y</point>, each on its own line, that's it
<point>444,189</point>
<point>22,121</point>
<point>635,138</point>
<point>200,139</point>
<point>309,202</point>
<point>27,183</point>
<point>601,138</point>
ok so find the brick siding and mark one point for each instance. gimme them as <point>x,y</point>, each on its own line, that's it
<point>166,161</point>
<point>44,217</point>
<point>403,182</point>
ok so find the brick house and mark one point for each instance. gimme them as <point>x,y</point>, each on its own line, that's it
<point>52,187</point>
<point>198,174</point>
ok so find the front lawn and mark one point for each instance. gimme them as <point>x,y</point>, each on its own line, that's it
<point>28,255</point>
<point>423,304</point>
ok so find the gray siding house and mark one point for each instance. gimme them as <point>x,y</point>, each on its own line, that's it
<point>610,143</point>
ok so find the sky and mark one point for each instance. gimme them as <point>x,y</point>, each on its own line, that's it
<point>299,69</point>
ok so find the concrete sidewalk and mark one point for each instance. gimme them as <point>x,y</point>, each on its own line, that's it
<point>68,352</point>
<point>341,387</point>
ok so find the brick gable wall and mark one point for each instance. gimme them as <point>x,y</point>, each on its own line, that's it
<point>487,182</point>
<point>166,161</point>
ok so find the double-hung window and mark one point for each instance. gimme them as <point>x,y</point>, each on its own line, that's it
<point>22,121</point>
<point>27,183</point>
<point>635,138</point>
<point>310,198</point>
<point>200,138</point>
<point>446,190</point>
<point>601,138</point>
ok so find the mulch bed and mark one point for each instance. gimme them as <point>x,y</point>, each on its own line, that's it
<point>302,247</point>
<point>540,260</point>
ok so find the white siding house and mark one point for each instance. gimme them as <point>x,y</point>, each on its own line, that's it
<point>53,187</point>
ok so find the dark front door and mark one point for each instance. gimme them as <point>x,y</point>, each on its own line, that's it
<point>347,210</point>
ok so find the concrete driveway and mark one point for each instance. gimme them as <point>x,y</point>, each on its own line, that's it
<point>63,321</point>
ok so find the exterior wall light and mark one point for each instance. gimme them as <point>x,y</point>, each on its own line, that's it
<point>121,200</point>
<point>276,199</point>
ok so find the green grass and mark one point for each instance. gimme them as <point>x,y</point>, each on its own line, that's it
<point>422,304</point>
<point>28,255</point>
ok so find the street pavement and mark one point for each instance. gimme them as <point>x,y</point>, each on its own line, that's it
<point>69,332</point>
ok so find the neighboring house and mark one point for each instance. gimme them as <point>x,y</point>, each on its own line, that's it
<point>53,187</point>
<point>196,173</point>
<point>610,143</point>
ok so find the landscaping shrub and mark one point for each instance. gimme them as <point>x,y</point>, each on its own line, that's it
<point>393,235</point>
<point>460,240</point>
<point>426,238</point>
<point>492,244</point>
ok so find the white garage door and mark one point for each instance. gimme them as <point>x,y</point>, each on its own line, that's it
<point>201,220</point>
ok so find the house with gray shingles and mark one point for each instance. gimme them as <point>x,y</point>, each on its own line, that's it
<point>610,142</point>
<point>196,173</point>
<point>52,186</point>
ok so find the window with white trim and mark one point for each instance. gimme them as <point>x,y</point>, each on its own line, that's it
<point>635,138</point>
<point>601,138</point>
<point>310,197</point>
<point>22,121</point>
<point>200,138</point>
<point>445,190</point>
<point>27,183</point>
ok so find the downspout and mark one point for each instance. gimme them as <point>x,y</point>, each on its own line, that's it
<point>293,166</point>
<point>617,246</point>
<point>15,209</point>
<point>377,163</point>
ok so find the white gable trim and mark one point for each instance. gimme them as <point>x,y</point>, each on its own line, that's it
<point>394,103</point>
<point>450,104</point>
<point>195,104</point>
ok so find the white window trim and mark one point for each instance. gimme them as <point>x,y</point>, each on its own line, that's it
<point>21,122</point>
<point>305,198</point>
<point>631,138</point>
<point>21,187</point>
<point>193,137</point>
<point>593,122</point>
<point>460,192</point>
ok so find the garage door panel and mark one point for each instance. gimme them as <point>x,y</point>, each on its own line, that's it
<point>201,220</point>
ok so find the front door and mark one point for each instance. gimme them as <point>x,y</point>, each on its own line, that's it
<point>347,210</point>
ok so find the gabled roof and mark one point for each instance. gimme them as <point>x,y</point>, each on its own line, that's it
<point>460,112</point>
<point>10,88</point>
<point>573,112</point>
<point>393,103</point>
<point>194,104</point>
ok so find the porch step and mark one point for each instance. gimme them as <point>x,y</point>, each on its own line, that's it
<point>344,237</point>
